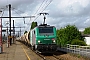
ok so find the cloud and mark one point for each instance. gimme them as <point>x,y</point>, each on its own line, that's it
<point>15,3</point>
<point>65,8</point>
<point>61,12</point>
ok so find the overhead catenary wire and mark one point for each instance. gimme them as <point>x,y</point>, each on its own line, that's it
<point>17,13</point>
<point>42,5</point>
<point>23,18</point>
<point>39,7</point>
<point>3,9</point>
<point>38,10</point>
<point>24,21</point>
<point>20,15</point>
<point>46,6</point>
<point>43,9</point>
<point>22,12</point>
<point>44,2</point>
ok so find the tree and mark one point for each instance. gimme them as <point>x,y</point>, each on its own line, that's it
<point>67,34</point>
<point>33,25</point>
<point>87,30</point>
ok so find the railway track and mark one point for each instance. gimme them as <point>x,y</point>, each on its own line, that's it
<point>52,58</point>
<point>45,57</point>
<point>57,56</point>
<point>48,57</point>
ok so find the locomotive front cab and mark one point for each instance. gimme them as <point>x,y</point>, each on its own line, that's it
<point>46,35</point>
<point>46,38</point>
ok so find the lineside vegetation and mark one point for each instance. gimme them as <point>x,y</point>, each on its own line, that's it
<point>69,35</point>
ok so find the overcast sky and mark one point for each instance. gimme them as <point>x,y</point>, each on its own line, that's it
<point>61,12</point>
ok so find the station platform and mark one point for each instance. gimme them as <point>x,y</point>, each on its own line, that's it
<point>14,52</point>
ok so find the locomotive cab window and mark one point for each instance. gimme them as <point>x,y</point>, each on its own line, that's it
<point>34,31</point>
<point>46,31</point>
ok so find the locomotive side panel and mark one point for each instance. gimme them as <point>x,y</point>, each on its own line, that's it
<point>33,37</point>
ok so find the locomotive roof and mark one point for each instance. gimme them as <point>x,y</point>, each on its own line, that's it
<point>44,25</point>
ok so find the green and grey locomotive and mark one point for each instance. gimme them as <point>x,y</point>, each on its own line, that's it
<point>43,38</point>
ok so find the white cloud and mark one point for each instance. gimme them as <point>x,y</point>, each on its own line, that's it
<point>61,12</point>
<point>87,21</point>
<point>71,8</point>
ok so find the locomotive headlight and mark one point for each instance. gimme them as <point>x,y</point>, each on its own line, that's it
<point>38,41</point>
<point>54,41</point>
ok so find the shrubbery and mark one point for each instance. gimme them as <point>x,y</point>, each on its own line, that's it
<point>87,30</point>
<point>67,34</point>
<point>78,42</point>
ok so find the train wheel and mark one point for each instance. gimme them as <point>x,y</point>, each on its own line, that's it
<point>33,48</point>
<point>36,51</point>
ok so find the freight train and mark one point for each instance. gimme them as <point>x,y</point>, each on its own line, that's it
<point>42,38</point>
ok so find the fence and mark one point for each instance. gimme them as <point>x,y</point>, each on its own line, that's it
<point>76,49</point>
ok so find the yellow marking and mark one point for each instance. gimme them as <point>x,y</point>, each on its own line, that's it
<point>26,53</point>
<point>9,36</point>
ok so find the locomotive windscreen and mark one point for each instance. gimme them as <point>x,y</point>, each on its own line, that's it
<point>45,29</point>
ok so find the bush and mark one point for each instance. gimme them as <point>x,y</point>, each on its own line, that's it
<point>67,34</point>
<point>78,42</point>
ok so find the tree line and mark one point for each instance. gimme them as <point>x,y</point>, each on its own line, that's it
<point>69,35</point>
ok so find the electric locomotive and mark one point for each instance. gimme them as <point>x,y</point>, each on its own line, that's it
<point>43,38</point>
